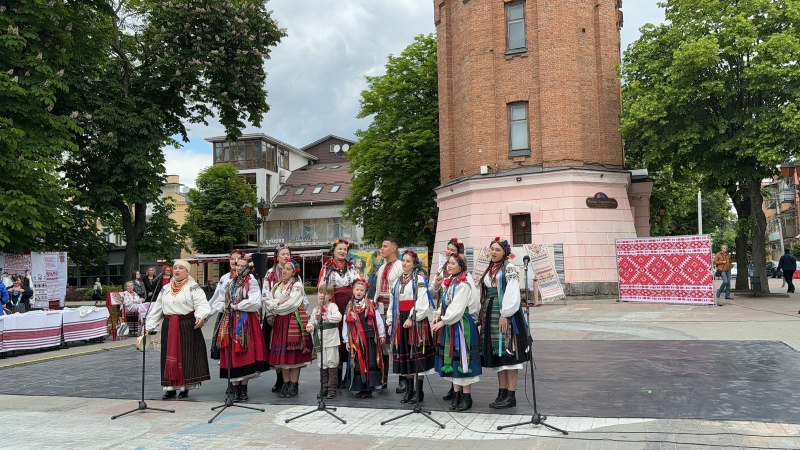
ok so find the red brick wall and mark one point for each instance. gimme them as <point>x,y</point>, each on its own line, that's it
<point>568,76</point>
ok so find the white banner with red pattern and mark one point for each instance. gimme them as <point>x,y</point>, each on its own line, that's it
<point>673,269</point>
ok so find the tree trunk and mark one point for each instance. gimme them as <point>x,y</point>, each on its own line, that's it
<point>134,226</point>
<point>758,249</point>
<point>742,205</point>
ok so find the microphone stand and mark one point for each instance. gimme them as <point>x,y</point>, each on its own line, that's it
<point>417,407</point>
<point>142,404</point>
<point>321,404</point>
<point>229,397</point>
<point>537,418</point>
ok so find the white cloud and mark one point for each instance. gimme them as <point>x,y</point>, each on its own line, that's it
<point>188,161</point>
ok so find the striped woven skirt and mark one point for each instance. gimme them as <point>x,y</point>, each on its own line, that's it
<point>193,352</point>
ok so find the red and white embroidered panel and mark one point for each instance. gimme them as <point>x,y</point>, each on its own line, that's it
<point>665,269</point>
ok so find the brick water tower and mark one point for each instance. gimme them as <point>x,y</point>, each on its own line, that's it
<point>529,106</point>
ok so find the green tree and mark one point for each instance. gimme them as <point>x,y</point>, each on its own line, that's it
<point>712,94</point>
<point>396,161</point>
<point>166,64</point>
<point>216,220</point>
<point>39,45</point>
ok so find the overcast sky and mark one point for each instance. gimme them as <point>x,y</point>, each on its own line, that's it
<point>316,74</point>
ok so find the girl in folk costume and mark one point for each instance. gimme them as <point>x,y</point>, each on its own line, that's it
<point>291,343</point>
<point>410,295</point>
<point>238,297</point>
<point>339,273</point>
<point>458,355</point>
<point>183,309</point>
<point>281,256</point>
<point>327,317</point>
<point>363,335</point>
<point>503,326</point>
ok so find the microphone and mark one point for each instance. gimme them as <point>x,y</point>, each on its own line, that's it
<point>526,260</point>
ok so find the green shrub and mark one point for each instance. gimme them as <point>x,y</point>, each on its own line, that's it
<point>310,290</point>
<point>87,296</point>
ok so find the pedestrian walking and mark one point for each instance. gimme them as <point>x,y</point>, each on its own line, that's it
<point>724,264</point>
<point>788,264</point>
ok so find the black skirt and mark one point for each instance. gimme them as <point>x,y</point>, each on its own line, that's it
<point>403,361</point>
<point>489,359</point>
<point>193,351</point>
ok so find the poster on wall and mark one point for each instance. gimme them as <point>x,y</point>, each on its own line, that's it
<point>673,269</point>
<point>543,265</point>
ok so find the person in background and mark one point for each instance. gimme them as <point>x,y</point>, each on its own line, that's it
<point>19,295</point>
<point>152,284</point>
<point>4,299</point>
<point>209,288</point>
<point>723,262</point>
<point>788,264</point>
<point>138,285</point>
<point>98,290</point>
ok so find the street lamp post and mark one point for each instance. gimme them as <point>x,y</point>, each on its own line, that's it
<point>258,218</point>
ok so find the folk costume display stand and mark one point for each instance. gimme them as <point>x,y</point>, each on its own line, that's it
<point>417,407</point>
<point>321,406</point>
<point>229,395</point>
<point>537,418</point>
<point>142,404</point>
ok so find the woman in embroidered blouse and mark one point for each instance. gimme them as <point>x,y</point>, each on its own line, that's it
<point>339,273</point>
<point>133,303</point>
<point>183,309</point>
<point>281,255</point>
<point>238,294</point>
<point>503,327</point>
<point>411,294</point>
<point>291,344</point>
<point>458,357</point>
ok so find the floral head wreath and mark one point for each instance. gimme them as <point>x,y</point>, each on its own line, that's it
<point>413,255</point>
<point>296,266</point>
<point>456,242</point>
<point>280,247</point>
<point>361,281</point>
<point>239,252</point>
<point>504,244</point>
<point>341,241</point>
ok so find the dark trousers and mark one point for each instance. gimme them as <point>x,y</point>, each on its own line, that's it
<point>788,275</point>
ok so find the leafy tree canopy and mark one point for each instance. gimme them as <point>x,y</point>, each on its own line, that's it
<point>396,161</point>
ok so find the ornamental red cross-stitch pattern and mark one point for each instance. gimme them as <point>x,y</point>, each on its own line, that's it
<point>665,269</point>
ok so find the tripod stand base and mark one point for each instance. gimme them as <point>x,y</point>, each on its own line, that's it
<point>142,407</point>
<point>320,407</point>
<point>536,419</point>
<point>228,404</point>
<point>417,410</point>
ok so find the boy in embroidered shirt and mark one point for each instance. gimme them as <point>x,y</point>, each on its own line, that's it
<point>329,347</point>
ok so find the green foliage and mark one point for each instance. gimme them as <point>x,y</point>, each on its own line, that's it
<point>724,236</point>
<point>310,290</point>
<point>216,220</point>
<point>396,161</point>
<point>711,95</point>
<point>163,238</point>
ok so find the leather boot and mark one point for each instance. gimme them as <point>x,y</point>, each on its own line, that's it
<point>285,389</point>
<point>509,401</point>
<point>464,403</point>
<point>409,393</point>
<point>237,392</point>
<point>278,383</point>
<point>402,386</point>
<point>325,381</point>
<point>501,395</point>
<point>456,400</point>
<point>168,395</point>
<point>243,393</point>
<point>420,392</point>
<point>294,389</point>
<point>450,394</point>
<point>333,382</point>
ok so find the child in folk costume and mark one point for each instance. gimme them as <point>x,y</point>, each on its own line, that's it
<point>291,343</point>
<point>410,297</point>
<point>281,255</point>
<point>181,310</point>
<point>458,356</point>
<point>504,332</point>
<point>328,349</point>
<point>238,295</point>
<point>363,334</point>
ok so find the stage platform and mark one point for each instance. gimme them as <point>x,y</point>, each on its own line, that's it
<point>713,380</point>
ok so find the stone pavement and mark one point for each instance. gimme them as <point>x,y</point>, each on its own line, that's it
<point>68,422</point>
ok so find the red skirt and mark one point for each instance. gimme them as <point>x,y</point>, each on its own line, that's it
<point>287,349</point>
<point>342,296</point>
<point>251,361</point>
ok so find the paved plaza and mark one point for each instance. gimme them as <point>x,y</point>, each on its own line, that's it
<point>719,377</point>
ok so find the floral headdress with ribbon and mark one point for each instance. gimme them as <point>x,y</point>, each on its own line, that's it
<point>413,255</point>
<point>457,243</point>
<point>278,249</point>
<point>296,266</point>
<point>361,281</point>
<point>502,243</point>
<point>337,242</point>
<point>462,275</point>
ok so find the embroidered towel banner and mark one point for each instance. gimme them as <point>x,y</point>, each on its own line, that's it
<point>550,288</point>
<point>665,269</point>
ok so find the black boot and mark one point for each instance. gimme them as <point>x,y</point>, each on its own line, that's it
<point>243,393</point>
<point>420,392</point>
<point>325,380</point>
<point>295,388</point>
<point>402,386</point>
<point>168,395</point>
<point>456,400</point>
<point>409,393</point>
<point>450,394</point>
<point>278,383</point>
<point>509,401</point>
<point>237,393</point>
<point>183,394</point>
<point>464,403</point>
<point>501,394</point>
<point>285,389</point>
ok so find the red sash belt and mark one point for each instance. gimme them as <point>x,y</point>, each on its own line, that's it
<point>406,305</point>
<point>173,366</point>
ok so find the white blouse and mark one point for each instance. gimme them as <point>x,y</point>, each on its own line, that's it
<point>295,294</point>
<point>460,298</point>
<point>266,290</point>
<point>511,297</point>
<point>250,303</point>
<point>130,298</point>
<point>421,306</point>
<point>337,279</point>
<point>189,299</point>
